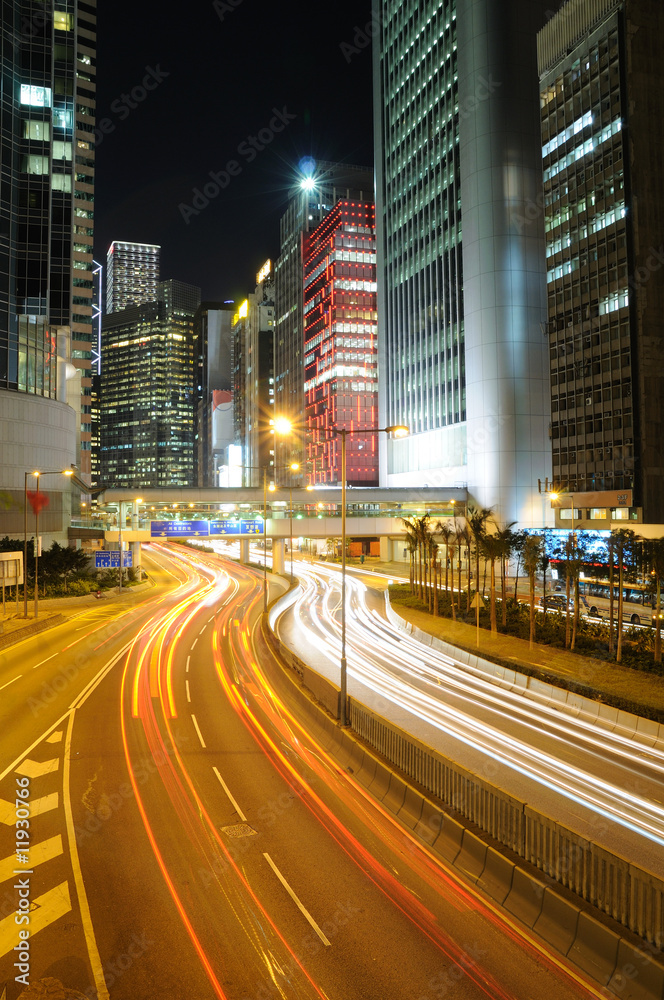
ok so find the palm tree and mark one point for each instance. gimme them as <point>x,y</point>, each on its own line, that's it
<point>477,518</point>
<point>611,594</point>
<point>519,541</point>
<point>492,548</point>
<point>623,541</point>
<point>453,548</point>
<point>464,539</point>
<point>413,546</point>
<point>445,531</point>
<point>506,538</point>
<point>532,556</point>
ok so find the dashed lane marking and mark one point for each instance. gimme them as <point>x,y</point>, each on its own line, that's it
<point>38,854</point>
<point>35,768</point>
<point>301,907</point>
<point>200,735</point>
<point>18,676</point>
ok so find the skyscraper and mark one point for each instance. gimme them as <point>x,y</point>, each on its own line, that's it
<point>461,283</point>
<point>253,379</point>
<point>602,147</point>
<point>149,390</point>
<point>46,235</point>
<point>213,328</point>
<point>319,189</point>
<point>340,359</point>
<point>132,274</point>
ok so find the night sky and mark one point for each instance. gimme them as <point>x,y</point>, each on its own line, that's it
<point>217,71</point>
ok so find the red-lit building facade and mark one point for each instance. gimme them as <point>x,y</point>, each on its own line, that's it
<point>340,324</point>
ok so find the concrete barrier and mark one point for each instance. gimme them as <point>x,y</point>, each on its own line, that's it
<point>637,976</point>
<point>525,898</point>
<point>558,921</point>
<point>496,879</point>
<point>411,810</point>
<point>471,859</point>
<point>448,843</point>
<point>396,794</point>
<point>595,949</point>
<point>430,823</point>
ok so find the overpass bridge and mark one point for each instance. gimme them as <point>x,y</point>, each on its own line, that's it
<point>290,512</point>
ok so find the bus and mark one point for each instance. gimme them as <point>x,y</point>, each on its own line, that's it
<point>638,603</point>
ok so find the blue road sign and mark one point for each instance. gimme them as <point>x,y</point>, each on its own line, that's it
<point>178,529</point>
<point>251,527</point>
<point>111,559</point>
<point>226,527</point>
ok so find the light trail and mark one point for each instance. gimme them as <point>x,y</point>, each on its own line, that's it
<point>421,679</point>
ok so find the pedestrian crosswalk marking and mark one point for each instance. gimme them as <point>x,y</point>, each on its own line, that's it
<point>44,910</point>
<point>35,768</point>
<point>37,807</point>
<point>37,855</point>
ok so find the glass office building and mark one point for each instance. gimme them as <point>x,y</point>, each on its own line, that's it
<point>132,274</point>
<point>602,146</point>
<point>149,391</point>
<point>461,283</point>
<point>47,107</point>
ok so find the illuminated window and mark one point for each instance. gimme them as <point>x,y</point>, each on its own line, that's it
<point>61,182</point>
<point>36,97</point>
<point>35,165</point>
<point>62,21</point>
<point>62,118</point>
<point>36,130</point>
<point>61,150</point>
<point>620,514</point>
<point>598,513</point>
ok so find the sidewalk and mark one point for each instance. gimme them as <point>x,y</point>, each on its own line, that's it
<point>56,610</point>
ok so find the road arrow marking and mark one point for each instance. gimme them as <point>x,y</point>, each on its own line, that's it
<point>35,768</point>
<point>38,854</point>
<point>44,910</point>
<point>37,807</point>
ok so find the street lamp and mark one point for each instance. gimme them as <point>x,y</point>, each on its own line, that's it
<point>36,474</point>
<point>397,430</point>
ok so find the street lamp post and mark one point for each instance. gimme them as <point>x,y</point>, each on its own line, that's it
<point>397,430</point>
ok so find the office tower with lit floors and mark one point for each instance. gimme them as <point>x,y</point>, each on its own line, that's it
<point>318,188</point>
<point>461,279</point>
<point>340,360</point>
<point>47,107</point>
<point>602,109</point>
<point>149,390</point>
<point>132,274</point>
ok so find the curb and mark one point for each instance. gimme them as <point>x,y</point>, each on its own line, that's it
<point>25,633</point>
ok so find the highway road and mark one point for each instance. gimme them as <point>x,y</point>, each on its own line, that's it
<point>188,837</point>
<point>602,781</point>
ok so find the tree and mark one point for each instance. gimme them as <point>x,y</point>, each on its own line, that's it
<point>506,539</point>
<point>453,548</point>
<point>518,544</point>
<point>446,531</point>
<point>492,548</point>
<point>477,519</point>
<point>623,543</point>
<point>532,558</point>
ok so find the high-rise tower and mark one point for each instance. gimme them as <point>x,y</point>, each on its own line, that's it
<point>132,274</point>
<point>46,233</point>
<point>461,283</point>
<point>602,148</point>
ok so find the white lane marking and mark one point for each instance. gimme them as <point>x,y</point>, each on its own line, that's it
<point>194,642</point>
<point>55,737</point>
<point>83,905</point>
<point>202,630</point>
<point>200,735</point>
<point>228,793</point>
<point>295,899</point>
<point>188,691</point>
<point>45,661</point>
<point>187,667</point>
<point>37,806</point>
<point>44,910</point>
<point>38,854</point>
<point>35,768</point>
<point>10,682</point>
